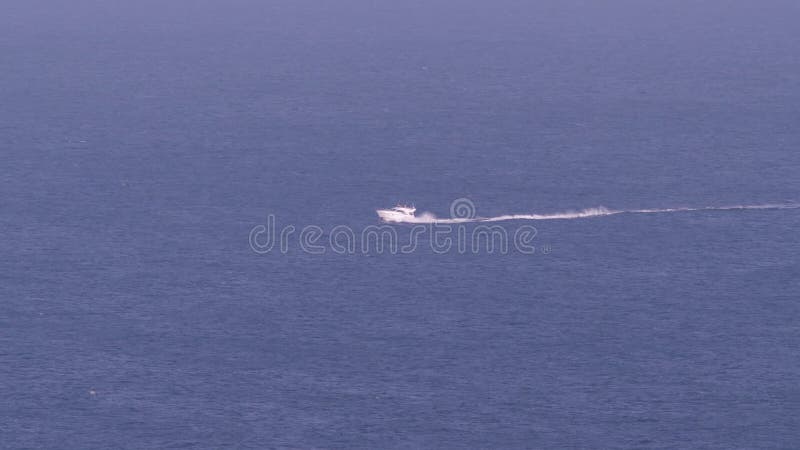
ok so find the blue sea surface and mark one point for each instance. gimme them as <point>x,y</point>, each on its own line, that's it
<point>141,142</point>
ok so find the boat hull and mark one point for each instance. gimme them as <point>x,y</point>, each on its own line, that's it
<point>388,215</point>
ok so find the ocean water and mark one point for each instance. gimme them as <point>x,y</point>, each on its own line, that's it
<point>141,143</point>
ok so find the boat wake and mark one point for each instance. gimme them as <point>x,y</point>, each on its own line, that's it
<point>428,218</point>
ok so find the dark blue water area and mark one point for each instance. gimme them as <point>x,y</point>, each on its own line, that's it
<point>140,144</point>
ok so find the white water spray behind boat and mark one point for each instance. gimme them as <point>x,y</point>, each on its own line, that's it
<point>407,214</point>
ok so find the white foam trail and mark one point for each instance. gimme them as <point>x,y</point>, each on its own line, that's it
<point>426,218</point>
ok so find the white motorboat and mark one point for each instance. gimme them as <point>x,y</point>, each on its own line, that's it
<point>400,213</point>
